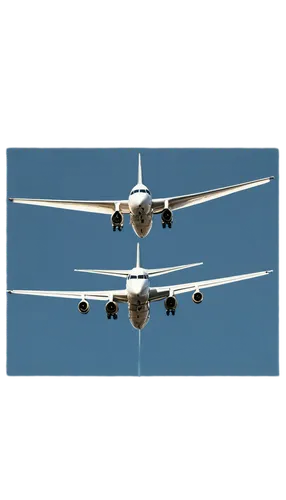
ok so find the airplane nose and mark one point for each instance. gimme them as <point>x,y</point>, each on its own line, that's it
<point>143,200</point>
<point>137,288</point>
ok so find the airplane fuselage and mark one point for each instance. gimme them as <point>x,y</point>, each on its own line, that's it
<point>138,288</point>
<point>140,205</point>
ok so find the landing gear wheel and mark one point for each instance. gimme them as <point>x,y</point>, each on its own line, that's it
<point>173,313</point>
<point>114,228</point>
<point>115,316</point>
<point>168,313</point>
<point>109,316</point>
<point>119,228</point>
<point>169,225</point>
<point>163,225</point>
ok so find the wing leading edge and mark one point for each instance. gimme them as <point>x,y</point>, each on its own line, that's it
<point>177,202</point>
<point>162,292</point>
<point>100,207</point>
<point>118,295</point>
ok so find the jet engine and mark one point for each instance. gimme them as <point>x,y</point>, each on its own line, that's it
<point>166,218</point>
<point>111,309</point>
<point>170,305</point>
<point>83,306</point>
<point>117,220</point>
<point>197,297</point>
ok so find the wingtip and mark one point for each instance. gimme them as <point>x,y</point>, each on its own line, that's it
<point>269,271</point>
<point>9,291</point>
<point>11,199</point>
<point>272,177</point>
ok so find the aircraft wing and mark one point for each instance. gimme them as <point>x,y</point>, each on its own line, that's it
<point>117,295</point>
<point>100,207</point>
<point>162,292</point>
<point>177,202</point>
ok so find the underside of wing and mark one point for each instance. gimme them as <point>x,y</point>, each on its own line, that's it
<point>100,207</point>
<point>117,295</point>
<point>159,293</point>
<point>175,203</point>
<point>114,272</point>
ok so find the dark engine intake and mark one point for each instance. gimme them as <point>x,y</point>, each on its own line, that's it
<point>83,307</point>
<point>117,220</point>
<point>111,308</point>
<point>167,217</point>
<point>197,297</point>
<point>170,303</point>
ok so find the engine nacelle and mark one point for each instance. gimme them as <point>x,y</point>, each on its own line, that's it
<point>167,216</point>
<point>197,297</point>
<point>170,303</point>
<point>83,306</point>
<point>117,219</point>
<point>111,308</point>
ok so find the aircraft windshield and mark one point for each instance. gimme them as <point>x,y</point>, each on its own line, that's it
<point>140,277</point>
<point>140,191</point>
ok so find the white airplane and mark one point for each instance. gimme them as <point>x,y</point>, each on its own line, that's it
<point>140,205</point>
<point>138,293</point>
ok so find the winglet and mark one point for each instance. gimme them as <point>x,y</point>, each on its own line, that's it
<point>138,256</point>
<point>140,177</point>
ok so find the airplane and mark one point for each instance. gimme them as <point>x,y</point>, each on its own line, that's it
<point>138,293</point>
<point>140,205</point>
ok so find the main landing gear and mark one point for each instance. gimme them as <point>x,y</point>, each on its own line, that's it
<point>172,312</point>
<point>109,316</point>
<point>164,225</point>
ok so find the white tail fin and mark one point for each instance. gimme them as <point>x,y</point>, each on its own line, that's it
<point>166,270</point>
<point>138,256</point>
<point>140,177</point>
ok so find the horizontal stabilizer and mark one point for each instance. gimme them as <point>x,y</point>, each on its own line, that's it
<point>119,273</point>
<point>166,270</point>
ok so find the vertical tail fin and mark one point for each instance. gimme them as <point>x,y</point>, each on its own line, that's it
<point>140,177</point>
<point>138,256</point>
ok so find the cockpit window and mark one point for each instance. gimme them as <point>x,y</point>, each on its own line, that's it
<point>140,191</point>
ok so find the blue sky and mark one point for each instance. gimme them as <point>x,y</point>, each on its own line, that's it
<point>233,332</point>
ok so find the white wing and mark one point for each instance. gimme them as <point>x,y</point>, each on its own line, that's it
<point>177,202</point>
<point>159,293</point>
<point>117,295</point>
<point>100,207</point>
